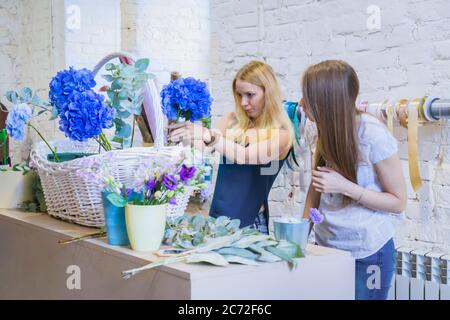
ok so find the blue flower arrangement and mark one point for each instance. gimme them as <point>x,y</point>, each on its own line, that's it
<point>84,115</point>
<point>68,82</point>
<point>186,98</point>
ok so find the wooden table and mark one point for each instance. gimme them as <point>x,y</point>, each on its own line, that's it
<point>34,266</point>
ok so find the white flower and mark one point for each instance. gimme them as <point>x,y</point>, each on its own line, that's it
<point>158,194</point>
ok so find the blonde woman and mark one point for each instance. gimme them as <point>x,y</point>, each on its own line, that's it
<point>254,142</point>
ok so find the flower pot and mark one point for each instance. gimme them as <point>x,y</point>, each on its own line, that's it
<point>116,230</point>
<point>295,231</point>
<point>145,226</point>
<point>17,189</point>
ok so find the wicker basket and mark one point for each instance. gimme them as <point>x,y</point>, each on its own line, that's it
<point>75,199</point>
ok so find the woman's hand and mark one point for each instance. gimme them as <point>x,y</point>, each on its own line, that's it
<point>188,132</point>
<point>326,180</point>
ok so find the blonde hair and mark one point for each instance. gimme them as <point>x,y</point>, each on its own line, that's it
<point>273,115</point>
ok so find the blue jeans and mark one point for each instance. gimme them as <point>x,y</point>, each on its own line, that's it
<point>374,273</point>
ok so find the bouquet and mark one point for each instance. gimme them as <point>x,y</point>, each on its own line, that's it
<point>84,113</point>
<point>186,99</point>
<point>159,180</point>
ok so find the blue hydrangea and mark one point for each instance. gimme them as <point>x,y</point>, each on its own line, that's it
<point>85,115</point>
<point>187,98</point>
<point>68,82</point>
<point>16,121</point>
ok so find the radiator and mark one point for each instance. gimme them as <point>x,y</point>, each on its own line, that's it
<point>420,275</point>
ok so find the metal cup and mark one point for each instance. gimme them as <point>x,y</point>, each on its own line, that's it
<point>296,232</point>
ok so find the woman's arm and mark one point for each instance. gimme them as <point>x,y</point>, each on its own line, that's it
<point>312,201</point>
<point>390,175</point>
<point>255,153</point>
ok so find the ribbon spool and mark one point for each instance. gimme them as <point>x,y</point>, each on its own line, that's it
<point>410,114</point>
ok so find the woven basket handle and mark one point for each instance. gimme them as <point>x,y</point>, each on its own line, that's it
<point>151,104</point>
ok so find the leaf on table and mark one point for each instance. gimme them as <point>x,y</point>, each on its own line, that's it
<point>240,260</point>
<point>244,253</point>
<point>209,257</point>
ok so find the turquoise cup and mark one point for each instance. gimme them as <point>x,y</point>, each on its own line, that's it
<point>116,230</point>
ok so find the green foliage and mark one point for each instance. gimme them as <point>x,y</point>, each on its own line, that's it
<point>125,93</point>
<point>38,203</point>
<point>25,95</point>
<point>220,242</point>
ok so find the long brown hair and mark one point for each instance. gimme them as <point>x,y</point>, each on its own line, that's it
<point>273,115</point>
<point>330,89</point>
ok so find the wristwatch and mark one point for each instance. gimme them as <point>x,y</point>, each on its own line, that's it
<point>212,138</point>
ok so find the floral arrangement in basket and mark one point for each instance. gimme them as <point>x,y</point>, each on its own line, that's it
<point>83,113</point>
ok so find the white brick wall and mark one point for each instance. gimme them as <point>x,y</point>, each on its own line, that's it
<point>97,34</point>
<point>173,34</point>
<point>408,57</point>
<point>26,57</point>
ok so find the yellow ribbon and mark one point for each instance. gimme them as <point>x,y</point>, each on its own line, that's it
<point>414,108</point>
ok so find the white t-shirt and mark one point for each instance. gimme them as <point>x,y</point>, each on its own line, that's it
<point>355,228</point>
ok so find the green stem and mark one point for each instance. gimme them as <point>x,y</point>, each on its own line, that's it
<point>55,157</point>
<point>104,142</point>
<point>132,132</point>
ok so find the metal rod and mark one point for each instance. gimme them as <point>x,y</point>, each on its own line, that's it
<point>440,108</point>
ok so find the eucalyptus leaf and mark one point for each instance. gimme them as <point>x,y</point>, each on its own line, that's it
<point>234,225</point>
<point>108,77</point>
<point>264,255</point>
<point>245,242</point>
<point>26,94</point>
<point>116,85</point>
<point>220,231</point>
<point>110,66</point>
<point>123,94</point>
<point>142,64</point>
<point>55,113</point>
<point>222,221</point>
<point>266,243</point>
<point>240,260</point>
<point>244,253</point>
<point>12,96</point>
<point>125,131</point>
<point>116,200</point>
<point>36,101</point>
<point>282,254</point>
<point>209,257</point>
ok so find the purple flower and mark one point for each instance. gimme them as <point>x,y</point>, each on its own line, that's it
<point>173,201</point>
<point>186,173</point>
<point>316,216</point>
<point>151,185</point>
<point>128,192</point>
<point>170,182</point>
